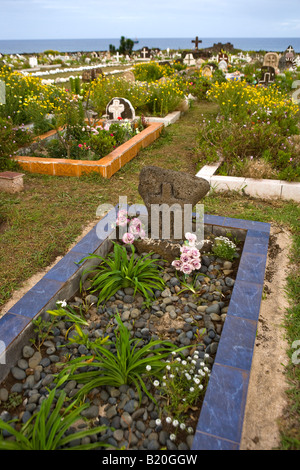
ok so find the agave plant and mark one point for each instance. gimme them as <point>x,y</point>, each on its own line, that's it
<point>116,271</point>
<point>46,430</point>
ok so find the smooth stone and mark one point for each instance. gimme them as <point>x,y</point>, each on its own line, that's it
<point>28,352</point>
<point>35,360</point>
<point>3,394</point>
<point>91,412</point>
<point>91,299</point>
<point>214,308</point>
<point>17,373</point>
<point>229,282</point>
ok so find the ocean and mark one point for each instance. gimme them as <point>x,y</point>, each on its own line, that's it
<point>87,45</point>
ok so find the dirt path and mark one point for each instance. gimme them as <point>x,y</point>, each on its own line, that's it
<point>266,395</point>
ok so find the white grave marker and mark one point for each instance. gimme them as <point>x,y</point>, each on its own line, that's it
<point>2,92</point>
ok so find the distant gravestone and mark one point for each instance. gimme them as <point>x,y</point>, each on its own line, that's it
<point>120,108</point>
<point>268,75</point>
<point>129,76</point>
<point>33,62</point>
<point>223,66</point>
<point>189,59</point>
<point>290,54</point>
<point>223,57</point>
<point>271,59</point>
<point>2,92</point>
<point>196,41</point>
<point>145,53</point>
<point>171,190</point>
<point>206,71</point>
<point>92,74</point>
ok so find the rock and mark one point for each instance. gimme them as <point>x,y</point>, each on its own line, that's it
<point>215,317</point>
<point>35,360</point>
<point>128,299</point>
<point>166,293</point>
<point>131,406</point>
<point>17,373</point>
<point>227,265</point>
<point>91,299</point>
<point>3,394</point>
<point>91,412</point>
<point>214,308</point>
<point>229,282</point>
<point>28,352</point>
<point>118,434</point>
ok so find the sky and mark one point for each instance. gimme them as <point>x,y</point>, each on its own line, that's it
<point>72,19</point>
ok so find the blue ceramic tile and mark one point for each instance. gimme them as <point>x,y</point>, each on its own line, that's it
<point>246,224</point>
<point>256,242</point>
<point>89,243</point>
<point>252,268</point>
<point>204,441</point>
<point>66,267</point>
<point>11,326</point>
<point>213,219</point>
<point>30,304</point>
<point>237,343</point>
<point>223,408</point>
<point>245,300</point>
<point>46,287</point>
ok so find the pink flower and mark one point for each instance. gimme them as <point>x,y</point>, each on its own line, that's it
<point>80,145</point>
<point>184,258</point>
<point>128,238</point>
<point>186,268</point>
<point>195,263</point>
<point>122,218</point>
<point>177,264</point>
<point>194,253</point>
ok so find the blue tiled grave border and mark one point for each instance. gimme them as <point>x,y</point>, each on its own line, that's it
<point>221,419</point>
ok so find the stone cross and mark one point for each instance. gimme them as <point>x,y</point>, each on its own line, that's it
<point>116,108</point>
<point>117,56</point>
<point>196,41</point>
<point>2,92</point>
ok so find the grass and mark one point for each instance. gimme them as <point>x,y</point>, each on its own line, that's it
<point>42,222</point>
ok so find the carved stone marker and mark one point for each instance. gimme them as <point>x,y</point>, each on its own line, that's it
<point>271,59</point>
<point>120,108</point>
<point>170,197</point>
<point>268,75</point>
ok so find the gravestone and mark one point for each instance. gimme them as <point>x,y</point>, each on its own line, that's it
<point>189,59</point>
<point>145,53</point>
<point>92,74</point>
<point>120,108</point>
<point>223,57</point>
<point>196,42</point>
<point>129,76</point>
<point>290,54</point>
<point>271,59</point>
<point>33,62</point>
<point>170,197</point>
<point>268,75</point>
<point>2,92</point>
<point>206,71</point>
<point>223,66</point>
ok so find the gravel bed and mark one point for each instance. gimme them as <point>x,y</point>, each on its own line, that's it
<point>176,315</point>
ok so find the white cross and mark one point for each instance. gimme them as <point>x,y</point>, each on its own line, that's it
<point>144,52</point>
<point>290,49</point>
<point>116,108</point>
<point>117,56</point>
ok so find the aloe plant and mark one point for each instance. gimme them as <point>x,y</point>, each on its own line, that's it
<point>116,271</point>
<point>46,430</point>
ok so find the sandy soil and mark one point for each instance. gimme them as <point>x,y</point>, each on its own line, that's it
<point>266,395</point>
<point>266,398</point>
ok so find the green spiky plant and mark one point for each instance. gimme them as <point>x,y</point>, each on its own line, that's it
<point>116,272</point>
<point>46,430</point>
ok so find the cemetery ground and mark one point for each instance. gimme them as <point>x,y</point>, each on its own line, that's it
<point>39,225</point>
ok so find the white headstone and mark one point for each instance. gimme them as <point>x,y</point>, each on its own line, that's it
<point>120,108</point>
<point>33,62</point>
<point>223,65</point>
<point>2,92</point>
<point>189,59</point>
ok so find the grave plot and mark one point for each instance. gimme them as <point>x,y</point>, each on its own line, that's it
<point>202,331</point>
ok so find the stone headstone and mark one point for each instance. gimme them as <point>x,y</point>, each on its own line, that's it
<point>2,92</point>
<point>271,59</point>
<point>33,62</point>
<point>206,71</point>
<point>189,59</point>
<point>289,54</point>
<point>268,75</point>
<point>120,108</point>
<point>223,66</point>
<point>173,192</point>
